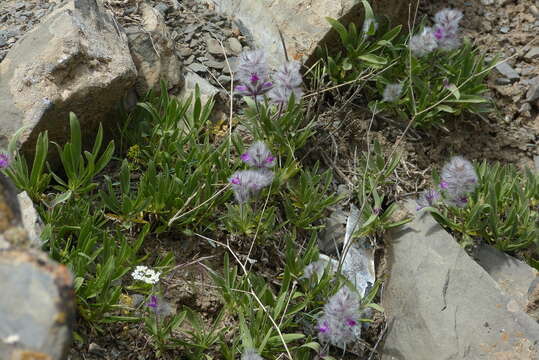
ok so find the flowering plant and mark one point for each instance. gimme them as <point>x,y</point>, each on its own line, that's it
<point>491,203</point>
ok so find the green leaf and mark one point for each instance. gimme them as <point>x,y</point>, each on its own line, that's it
<point>446,108</point>
<point>61,198</point>
<point>287,338</point>
<point>373,59</point>
<point>12,146</point>
<point>376,307</point>
<point>341,30</point>
<point>454,90</point>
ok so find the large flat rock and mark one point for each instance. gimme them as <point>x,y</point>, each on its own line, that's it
<point>302,23</point>
<point>77,59</point>
<point>514,277</point>
<point>442,305</point>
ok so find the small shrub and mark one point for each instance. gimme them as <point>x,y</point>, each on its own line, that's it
<point>436,76</point>
<point>502,211</point>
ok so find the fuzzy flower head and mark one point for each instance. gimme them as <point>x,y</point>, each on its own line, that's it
<point>392,92</point>
<point>252,73</point>
<point>428,198</point>
<point>315,268</point>
<point>4,160</point>
<point>448,19</point>
<point>248,183</point>
<point>339,324</point>
<point>145,274</point>
<point>251,354</point>
<point>423,43</point>
<point>447,29</point>
<point>287,81</point>
<point>459,179</point>
<point>258,156</point>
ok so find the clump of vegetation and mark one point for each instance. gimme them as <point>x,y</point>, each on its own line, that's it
<point>488,203</point>
<point>172,175</point>
<point>253,198</point>
<point>424,78</point>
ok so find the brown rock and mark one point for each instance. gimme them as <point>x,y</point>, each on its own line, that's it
<point>77,59</point>
<point>38,309</point>
<point>303,23</point>
<point>153,52</point>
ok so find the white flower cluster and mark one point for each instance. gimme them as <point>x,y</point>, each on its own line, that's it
<point>145,274</point>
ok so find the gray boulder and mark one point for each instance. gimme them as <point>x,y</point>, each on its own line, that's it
<point>302,23</point>
<point>37,309</point>
<point>77,59</point>
<point>441,304</point>
<point>154,53</point>
<point>37,305</point>
<point>514,277</point>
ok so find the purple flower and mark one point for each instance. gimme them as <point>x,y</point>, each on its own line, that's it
<point>153,302</point>
<point>428,198</point>
<point>449,20</point>
<point>287,81</point>
<point>252,73</point>
<point>447,28</point>
<point>4,160</point>
<point>259,156</point>
<point>459,179</point>
<point>439,33</point>
<point>423,43</point>
<point>248,183</point>
<point>443,185</point>
<point>338,322</point>
<point>323,328</point>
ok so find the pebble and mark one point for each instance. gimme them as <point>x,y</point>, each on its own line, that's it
<point>224,79</point>
<point>189,60</point>
<point>234,46</point>
<point>506,70</point>
<point>191,28</point>
<point>525,108</point>
<point>196,67</point>
<point>215,64</point>
<point>185,51</point>
<point>534,11</point>
<point>533,91</point>
<point>502,81</point>
<point>130,10</point>
<point>532,54</point>
<point>162,8</point>
<point>504,29</point>
<point>214,47</point>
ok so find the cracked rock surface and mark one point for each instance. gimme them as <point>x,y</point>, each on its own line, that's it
<point>438,300</point>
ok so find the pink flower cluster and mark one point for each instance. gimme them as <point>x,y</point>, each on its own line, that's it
<point>444,35</point>
<point>247,183</point>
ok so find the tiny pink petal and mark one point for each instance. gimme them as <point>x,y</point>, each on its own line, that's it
<point>245,157</point>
